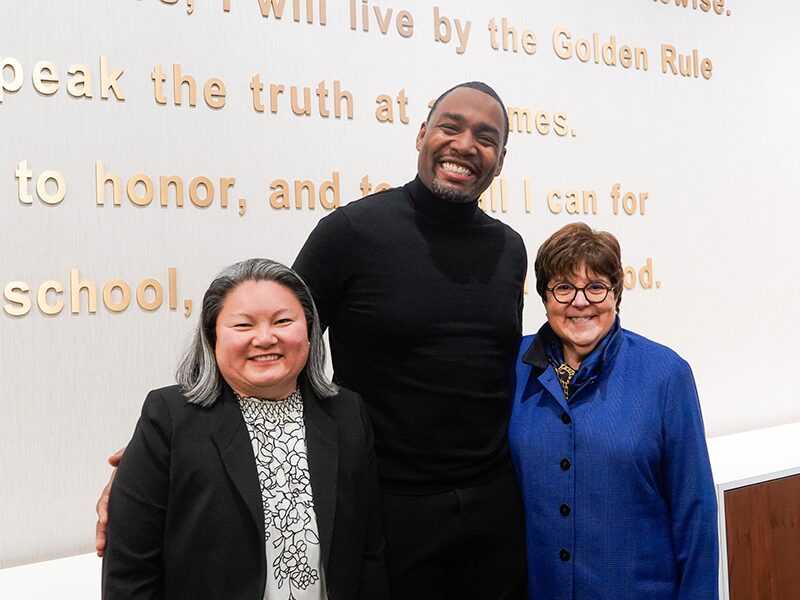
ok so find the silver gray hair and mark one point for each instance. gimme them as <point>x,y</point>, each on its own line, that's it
<point>197,371</point>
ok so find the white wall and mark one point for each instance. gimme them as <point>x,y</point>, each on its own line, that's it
<point>716,157</point>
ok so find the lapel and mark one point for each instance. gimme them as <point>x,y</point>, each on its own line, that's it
<point>549,381</point>
<point>534,372</point>
<point>235,449</point>
<point>323,463</point>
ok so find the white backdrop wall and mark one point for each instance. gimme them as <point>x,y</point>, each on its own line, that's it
<point>714,153</point>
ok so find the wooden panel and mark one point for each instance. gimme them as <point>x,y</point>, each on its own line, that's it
<point>763,537</point>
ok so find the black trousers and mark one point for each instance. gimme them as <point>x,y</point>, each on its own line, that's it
<point>461,544</point>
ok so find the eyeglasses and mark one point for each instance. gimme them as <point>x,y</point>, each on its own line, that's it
<point>594,292</point>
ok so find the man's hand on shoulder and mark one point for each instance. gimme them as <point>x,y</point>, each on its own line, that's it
<point>102,505</point>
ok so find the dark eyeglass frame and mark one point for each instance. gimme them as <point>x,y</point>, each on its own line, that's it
<point>576,289</point>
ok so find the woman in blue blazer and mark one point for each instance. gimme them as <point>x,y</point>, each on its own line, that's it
<point>608,443</point>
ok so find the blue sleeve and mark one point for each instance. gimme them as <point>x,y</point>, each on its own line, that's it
<point>689,489</point>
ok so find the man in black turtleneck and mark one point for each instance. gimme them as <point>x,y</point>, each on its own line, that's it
<point>422,294</point>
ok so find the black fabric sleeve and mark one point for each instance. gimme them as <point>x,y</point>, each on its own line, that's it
<point>373,584</point>
<point>133,564</point>
<point>322,263</point>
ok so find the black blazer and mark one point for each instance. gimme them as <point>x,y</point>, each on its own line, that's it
<point>186,518</point>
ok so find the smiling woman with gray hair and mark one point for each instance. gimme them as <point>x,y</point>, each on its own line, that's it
<point>255,476</point>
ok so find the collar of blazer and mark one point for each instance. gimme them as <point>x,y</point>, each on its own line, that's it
<point>236,452</point>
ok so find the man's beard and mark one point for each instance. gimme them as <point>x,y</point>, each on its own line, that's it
<point>450,194</point>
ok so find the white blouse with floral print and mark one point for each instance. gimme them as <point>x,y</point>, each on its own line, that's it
<point>278,435</point>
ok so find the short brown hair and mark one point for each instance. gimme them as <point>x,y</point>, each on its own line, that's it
<point>563,252</point>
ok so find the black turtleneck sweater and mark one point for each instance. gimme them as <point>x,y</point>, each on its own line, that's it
<point>423,299</point>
